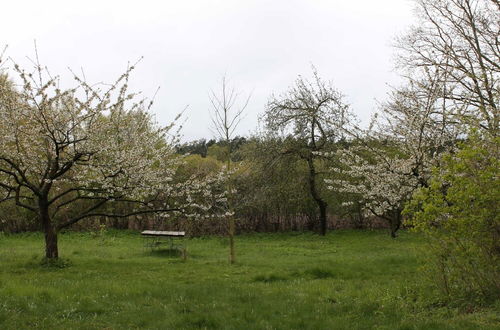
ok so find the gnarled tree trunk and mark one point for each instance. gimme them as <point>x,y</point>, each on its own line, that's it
<point>51,250</point>
<point>322,205</point>
<point>395,222</point>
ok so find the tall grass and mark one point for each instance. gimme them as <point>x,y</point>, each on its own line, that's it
<point>346,280</point>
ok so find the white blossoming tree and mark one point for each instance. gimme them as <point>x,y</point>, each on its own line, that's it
<point>385,164</point>
<point>70,154</point>
<point>450,58</point>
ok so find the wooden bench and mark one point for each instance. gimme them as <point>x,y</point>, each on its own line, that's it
<point>154,239</point>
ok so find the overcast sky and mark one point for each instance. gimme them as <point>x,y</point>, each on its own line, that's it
<point>189,45</point>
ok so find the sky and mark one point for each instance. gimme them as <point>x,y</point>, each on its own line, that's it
<point>188,46</point>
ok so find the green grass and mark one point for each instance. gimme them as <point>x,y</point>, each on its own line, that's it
<point>346,280</point>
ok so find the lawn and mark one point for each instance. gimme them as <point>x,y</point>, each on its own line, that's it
<point>346,280</point>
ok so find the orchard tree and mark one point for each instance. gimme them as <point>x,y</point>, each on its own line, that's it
<point>310,116</point>
<point>450,61</point>
<point>227,113</point>
<point>70,154</point>
<point>385,164</point>
<point>459,38</point>
<point>382,182</point>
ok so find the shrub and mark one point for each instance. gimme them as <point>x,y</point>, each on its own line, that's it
<point>459,214</point>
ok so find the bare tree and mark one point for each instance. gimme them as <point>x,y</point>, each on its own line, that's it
<point>227,112</point>
<point>308,117</point>
<point>460,38</point>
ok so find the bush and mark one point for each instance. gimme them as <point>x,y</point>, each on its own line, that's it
<point>459,214</point>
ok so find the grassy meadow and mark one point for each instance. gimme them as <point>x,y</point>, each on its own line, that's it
<point>346,280</point>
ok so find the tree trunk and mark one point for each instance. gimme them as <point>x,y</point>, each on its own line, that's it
<point>322,205</point>
<point>232,254</point>
<point>322,216</point>
<point>232,225</point>
<point>51,250</point>
<point>395,222</point>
